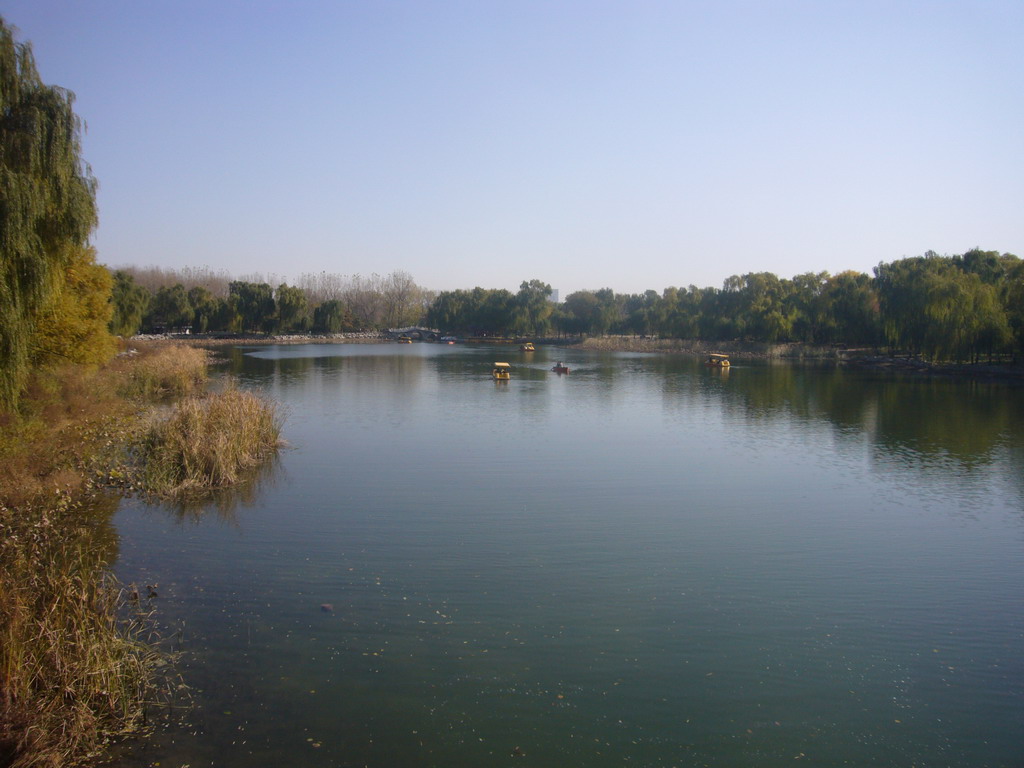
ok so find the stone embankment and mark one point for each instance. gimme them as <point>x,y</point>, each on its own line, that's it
<point>845,356</point>
<point>359,337</point>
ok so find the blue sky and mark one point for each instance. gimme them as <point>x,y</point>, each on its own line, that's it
<point>629,145</point>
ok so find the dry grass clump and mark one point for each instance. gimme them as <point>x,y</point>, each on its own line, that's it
<point>210,442</point>
<point>162,371</point>
<point>73,675</point>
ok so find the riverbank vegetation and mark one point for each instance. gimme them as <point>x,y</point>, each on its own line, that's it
<point>963,308</point>
<point>77,668</point>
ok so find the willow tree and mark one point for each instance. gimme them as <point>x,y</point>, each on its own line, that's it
<point>47,202</point>
<point>130,302</point>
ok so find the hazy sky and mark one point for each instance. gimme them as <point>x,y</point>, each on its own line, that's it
<point>589,144</point>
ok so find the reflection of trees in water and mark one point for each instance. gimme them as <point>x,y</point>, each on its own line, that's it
<point>244,366</point>
<point>225,502</point>
<point>925,421</point>
<point>1014,441</point>
<point>936,419</point>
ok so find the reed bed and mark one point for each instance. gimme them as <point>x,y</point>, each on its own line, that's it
<point>166,371</point>
<point>210,442</point>
<point>75,673</point>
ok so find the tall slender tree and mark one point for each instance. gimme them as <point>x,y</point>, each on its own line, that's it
<point>47,202</point>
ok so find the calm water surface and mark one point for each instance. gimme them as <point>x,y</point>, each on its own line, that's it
<point>645,562</point>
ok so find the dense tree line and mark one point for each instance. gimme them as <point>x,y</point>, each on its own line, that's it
<point>956,308</point>
<point>962,307</point>
<point>147,300</point>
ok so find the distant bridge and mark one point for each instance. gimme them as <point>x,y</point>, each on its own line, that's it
<point>414,332</point>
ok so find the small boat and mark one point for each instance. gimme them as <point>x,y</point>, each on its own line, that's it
<point>527,347</point>
<point>716,360</point>
<point>559,368</point>
<point>404,340</point>
<point>501,372</point>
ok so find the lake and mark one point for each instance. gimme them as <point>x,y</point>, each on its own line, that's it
<point>643,562</point>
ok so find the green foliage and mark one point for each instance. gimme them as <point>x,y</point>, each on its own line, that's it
<point>254,303</point>
<point>204,306</point>
<point>533,308</point>
<point>292,308</point>
<point>214,302</point>
<point>333,317</point>
<point>449,311</point>
<point>587,312</point>
<point>960,307</point>
<point>47,202</point>
<point>955,308</point>
<point>851,310</point>
<point>169,308</point>
<point>943,308</point>
<point>1013,300</point>
<point>227,317</point>
<point>480,312</point>
<point>130,303</point>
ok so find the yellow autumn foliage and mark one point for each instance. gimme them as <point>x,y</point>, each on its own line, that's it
<point>73,325</point>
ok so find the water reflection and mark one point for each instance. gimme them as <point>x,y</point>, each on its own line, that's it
<point>224,503</point>
<point>935,426</point>
<point>641,562</point>
<point>935,420</point>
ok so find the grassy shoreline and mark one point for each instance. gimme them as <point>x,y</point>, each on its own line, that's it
<point>78,668</point>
